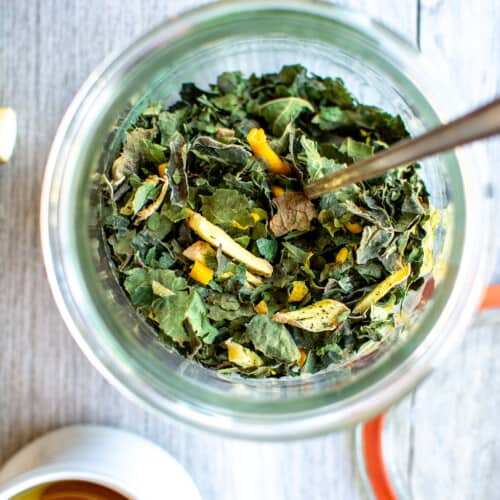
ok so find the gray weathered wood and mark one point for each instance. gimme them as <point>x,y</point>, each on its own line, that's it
<point>466,35</point>
<point>400,16</point>
<point>46,51</point>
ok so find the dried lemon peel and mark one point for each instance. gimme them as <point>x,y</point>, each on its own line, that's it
<point>148,211</point>
<point>354,227</point>
<point>255,216</point>
<point>299,291</point>
<point>261,307</point>
<point>224,133</point>
<point>430,227</point>
<point>303,357</point>
<point>8,133</point>
<point>219,238</point>
<point>162,169</point>
<point>242,356</point>
<point>201,273</point>
<point>261,149</point>
<point>251,278</point>
<point>237,225</point>
<point>277,191</point>
<point>161,290</point>
<point>342,255</point>
<point>321,316</point>
<point>382,289</point>
<point>199,251</point>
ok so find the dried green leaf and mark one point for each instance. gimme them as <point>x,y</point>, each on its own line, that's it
<point>209,149</point>
<point>279,113</point>
<point>132,154</point>
<point>373,244</point>
<point>267,248</point>
<point>357,151</point>
<point>226,306</point>
<point>169,123</point>
<point>272,339</point>
<point>177,170</point>
<point>228,209</point>
<point>343,248</point>
<point>154,153</point>
<point>197,322</point>
<point>140,196</point>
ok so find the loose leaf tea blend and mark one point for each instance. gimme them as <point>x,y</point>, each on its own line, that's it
<point>218,248</point>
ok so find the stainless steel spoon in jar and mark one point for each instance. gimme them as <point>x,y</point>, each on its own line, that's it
<point>478,124</point>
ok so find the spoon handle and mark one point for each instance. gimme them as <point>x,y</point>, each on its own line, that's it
<point>479,124</point>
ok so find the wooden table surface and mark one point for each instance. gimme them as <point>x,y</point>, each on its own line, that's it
<point>47,48</point>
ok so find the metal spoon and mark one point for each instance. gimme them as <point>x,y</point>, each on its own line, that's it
<point>479,124</point>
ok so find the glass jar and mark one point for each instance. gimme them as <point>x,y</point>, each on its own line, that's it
<point>258,36</point>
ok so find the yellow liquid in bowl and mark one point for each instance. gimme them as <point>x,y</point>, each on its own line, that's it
<point>70,490</point>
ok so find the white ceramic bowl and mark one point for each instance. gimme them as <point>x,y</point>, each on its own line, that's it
<point>119,460</point>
